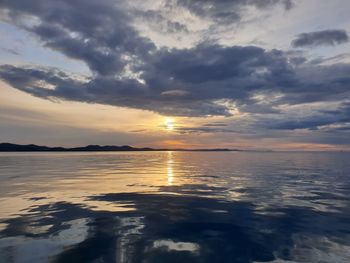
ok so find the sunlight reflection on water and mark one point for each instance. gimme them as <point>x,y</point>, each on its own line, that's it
<point>170,168</point>
<point>174,207</point>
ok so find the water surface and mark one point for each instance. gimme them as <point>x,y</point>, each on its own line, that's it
<point>175,207</point>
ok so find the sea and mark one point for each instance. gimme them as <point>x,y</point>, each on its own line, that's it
<point>173,206</point>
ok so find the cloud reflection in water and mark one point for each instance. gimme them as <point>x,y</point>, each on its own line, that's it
<point>271,214</point>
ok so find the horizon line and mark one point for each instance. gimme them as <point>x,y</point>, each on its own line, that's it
<point>12,147</point>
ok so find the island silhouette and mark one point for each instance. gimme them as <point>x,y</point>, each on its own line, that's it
<point>10,147</point>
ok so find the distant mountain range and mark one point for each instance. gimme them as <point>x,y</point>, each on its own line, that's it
<point>9,147</point>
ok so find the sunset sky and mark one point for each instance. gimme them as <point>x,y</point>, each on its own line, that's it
<point>248,74</point>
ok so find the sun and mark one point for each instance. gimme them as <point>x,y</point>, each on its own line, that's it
<point>169,124</point>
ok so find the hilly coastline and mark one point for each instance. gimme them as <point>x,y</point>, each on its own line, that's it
<point>10,147</point>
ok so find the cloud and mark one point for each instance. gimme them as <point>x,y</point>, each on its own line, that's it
<point>98,33</point>
<point>184,21</point>
<point>215,124</point>
<point>207,128</point>
<point>207,74</point>
<point>12,51</point>
<point>129,70</point>
<point>175,92</point>
<point>321,38</point>
<point>231,70</point>
<point>225,11</point>
<point>159,21</point>
<point>318,120</point>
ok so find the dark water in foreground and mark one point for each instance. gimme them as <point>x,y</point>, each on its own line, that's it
<point>175,207</point>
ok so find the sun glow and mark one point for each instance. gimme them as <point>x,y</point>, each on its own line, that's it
<point>169,124</point>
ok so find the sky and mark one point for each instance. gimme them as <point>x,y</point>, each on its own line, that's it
<point>246,74</point>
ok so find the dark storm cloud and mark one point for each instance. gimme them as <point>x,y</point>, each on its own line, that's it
<point>130,71</point>
<point>341,115</point>
<point>321,38</point>
<point>96,32</point>
<point>310,123</point>
<point>42,82</point>
<point>204,75</point>
<point>54,84</point>
<point>234,72</point>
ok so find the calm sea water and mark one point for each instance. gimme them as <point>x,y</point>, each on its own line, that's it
<point>175,207</point>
